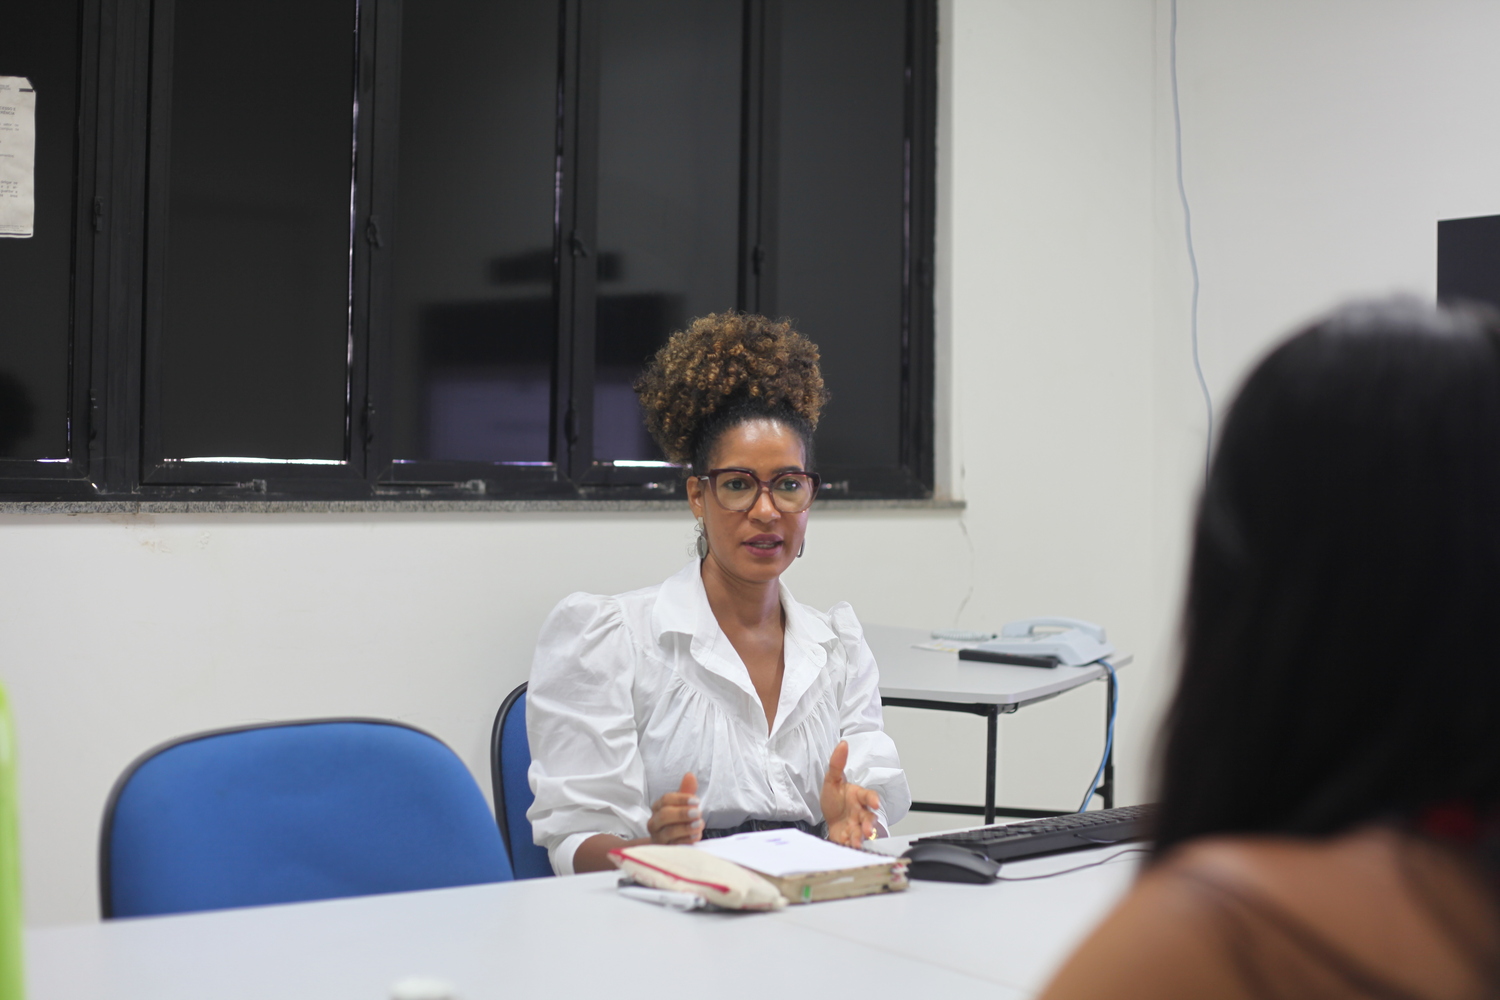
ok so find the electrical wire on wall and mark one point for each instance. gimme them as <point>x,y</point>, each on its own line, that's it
<point>1187,226</point>
<point>973,562</point>
<point>960,461</point>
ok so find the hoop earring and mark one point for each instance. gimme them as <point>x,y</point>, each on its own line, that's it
<point>702,544</point>
<point>802,549</point>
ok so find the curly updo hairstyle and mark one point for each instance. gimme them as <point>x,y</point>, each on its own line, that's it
<point>723,370</point>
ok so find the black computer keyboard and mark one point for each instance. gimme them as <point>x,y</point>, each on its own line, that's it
<point>1069,832</point>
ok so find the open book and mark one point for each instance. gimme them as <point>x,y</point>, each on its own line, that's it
<point>807,869</point>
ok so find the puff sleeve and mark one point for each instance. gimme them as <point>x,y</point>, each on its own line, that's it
<point>586,769</point>
<point>873,761</point>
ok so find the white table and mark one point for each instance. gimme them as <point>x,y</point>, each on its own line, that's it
<point>576,937</point>
<point>921,678</point>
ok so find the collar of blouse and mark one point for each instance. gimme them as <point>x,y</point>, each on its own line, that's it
<point>682,607</point>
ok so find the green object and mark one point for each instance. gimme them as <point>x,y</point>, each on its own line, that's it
<point>12,976</point>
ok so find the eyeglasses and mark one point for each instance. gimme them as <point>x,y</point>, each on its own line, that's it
<point>739,489</point>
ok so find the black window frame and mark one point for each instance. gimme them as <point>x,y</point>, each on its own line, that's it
<point>123,156</point>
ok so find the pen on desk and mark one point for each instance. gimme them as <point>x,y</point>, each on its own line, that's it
<point>663,897</point>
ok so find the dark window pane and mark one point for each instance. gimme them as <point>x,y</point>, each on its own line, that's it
<point>669,146</point>
<point>474,333</point>
<point>254,342</point>
<point>840,219</point>
<point>40,42</point>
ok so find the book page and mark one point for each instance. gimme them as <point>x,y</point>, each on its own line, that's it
<point>780,853</point>
<point>17,155</point>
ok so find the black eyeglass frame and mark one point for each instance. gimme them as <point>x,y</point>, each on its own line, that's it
<point>762,485</point>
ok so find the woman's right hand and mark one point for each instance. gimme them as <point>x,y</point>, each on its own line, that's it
<point>675,817</point>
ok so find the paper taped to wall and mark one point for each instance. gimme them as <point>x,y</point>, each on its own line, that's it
<point>17,155</point>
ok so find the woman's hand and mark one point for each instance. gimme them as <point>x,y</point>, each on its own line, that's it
<point>675,817</point>
<point>848,809</point>
<point>674,820</point>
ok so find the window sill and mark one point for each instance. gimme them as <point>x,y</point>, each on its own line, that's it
<point>413,506</point>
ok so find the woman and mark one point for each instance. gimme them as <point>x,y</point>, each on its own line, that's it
<point>1330,821</point>
<point>714,703</point>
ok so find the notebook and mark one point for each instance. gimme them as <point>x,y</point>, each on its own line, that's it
<point>808,869</point>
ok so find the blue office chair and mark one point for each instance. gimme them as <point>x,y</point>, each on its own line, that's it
<point>510,759</point>
<point>294,811</point>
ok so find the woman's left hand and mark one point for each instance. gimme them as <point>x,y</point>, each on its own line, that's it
<point>848,809</point>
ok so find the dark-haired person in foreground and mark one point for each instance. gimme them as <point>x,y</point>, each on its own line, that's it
<point>1330,789</point>
<point>714,703</point>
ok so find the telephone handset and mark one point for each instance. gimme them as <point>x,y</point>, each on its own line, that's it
<point>1029,626</point>
<point>1044,642</point>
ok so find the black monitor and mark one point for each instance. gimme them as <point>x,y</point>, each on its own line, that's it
<point>1469,260</point>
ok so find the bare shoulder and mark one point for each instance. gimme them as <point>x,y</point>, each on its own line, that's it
<point>1163,941</point>
<point>1353,893</point>
<point>1272,861</point>
<point>1341,881</point>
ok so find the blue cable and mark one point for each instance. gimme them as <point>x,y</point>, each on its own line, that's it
<point>1109,733</point>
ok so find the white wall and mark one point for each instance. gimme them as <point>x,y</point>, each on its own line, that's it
<point>1323,140</point>
<point>119,632</point>
<point>1049,171</point>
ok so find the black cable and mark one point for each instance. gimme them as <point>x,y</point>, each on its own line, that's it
<point>1069,871</point>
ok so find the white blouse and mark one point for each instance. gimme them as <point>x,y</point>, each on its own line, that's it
<point>628,693</point>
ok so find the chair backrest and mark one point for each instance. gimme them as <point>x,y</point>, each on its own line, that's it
<point>294,811</point>
<point>510,759</point>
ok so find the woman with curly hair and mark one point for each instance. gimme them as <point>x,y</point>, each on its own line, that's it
<point>714,703</point>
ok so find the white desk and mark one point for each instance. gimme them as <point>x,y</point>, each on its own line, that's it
<point>576,937</point>
<point>920,678</point>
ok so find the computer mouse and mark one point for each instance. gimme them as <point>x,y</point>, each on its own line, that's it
<point>938,862</point>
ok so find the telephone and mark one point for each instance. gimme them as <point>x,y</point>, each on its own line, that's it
<point>1044,642</point>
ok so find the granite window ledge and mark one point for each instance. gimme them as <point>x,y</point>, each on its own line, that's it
<point>414,506</point>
